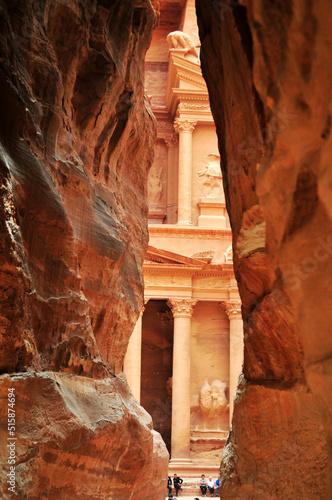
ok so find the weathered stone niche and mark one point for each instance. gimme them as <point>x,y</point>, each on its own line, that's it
<point>76,143</point>
<point>268,69</point>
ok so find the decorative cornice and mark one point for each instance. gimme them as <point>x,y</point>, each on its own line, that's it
<point>184,75</point>
<point>232,308</point>
<point>184,125</point>
<point>193,107</point>
<point>226,271</point>
<point>168,270</point>
<point>192,232</point>
<point>165,125</point>
<point>182,307</point>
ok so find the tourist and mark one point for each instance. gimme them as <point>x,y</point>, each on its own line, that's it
<point>169,486</point>
<point>217,487</point>
<point>177,481</point>
<point>203,485</point>
<point>210,484</point>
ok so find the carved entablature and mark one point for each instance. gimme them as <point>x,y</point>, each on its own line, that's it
<point>164,123</point>
<point>232,308</point>
<point>182,307</point>
<point>167,280</point>
<point>189,106</point>
<point>164,129</point>
<point>184,125</point>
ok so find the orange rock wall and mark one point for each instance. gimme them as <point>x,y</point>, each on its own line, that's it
<point>268,69</point>
<point>76,139</point>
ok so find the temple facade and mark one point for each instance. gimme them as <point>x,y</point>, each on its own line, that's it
<point>186,352</point>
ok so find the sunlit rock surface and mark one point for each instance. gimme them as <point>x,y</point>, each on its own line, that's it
<point>268,69</point>
<point>76,143</point>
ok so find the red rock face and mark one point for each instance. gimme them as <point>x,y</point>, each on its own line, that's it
<point>76,141</point>
<point>81,438</point>
<point>268,69</point>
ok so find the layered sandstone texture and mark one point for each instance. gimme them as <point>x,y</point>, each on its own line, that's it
<point>268,69</point>
<point>76,143</point>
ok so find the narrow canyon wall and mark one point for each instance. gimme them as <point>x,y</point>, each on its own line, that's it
<point>269,72</point>
<point>76,143</point>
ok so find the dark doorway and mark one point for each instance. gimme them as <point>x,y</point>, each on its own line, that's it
<point>157,365</point>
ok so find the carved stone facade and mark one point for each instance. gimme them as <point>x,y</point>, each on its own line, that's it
<point>186,337</point>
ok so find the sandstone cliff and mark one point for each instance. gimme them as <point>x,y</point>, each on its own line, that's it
<point>268,69</point>
<point>76,142</point>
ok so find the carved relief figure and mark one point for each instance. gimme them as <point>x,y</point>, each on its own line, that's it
<point>212,177</point>
<point>205,401</point>
<point>212,400</point>
<point>180,40</point>
<point>155,187</point>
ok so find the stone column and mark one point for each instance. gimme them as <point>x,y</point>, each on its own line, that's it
<point>172,143</point>
<point>180,440</point>
<point>185,128</point>
<point>132,361</point>
<point>233,310</point>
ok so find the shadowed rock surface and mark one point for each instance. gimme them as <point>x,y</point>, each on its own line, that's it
<point>268,69</point>
<point>76,143</point>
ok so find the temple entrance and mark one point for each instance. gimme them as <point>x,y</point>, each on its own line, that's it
<point>157,365</point>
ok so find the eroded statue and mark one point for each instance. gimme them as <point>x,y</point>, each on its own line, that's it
<point>212,177</point>
<point>212,400</point>
<point>180,40</point>
<point>155,186</point>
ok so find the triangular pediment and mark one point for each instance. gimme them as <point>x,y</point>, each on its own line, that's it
<point>185,83</point>
<point>158,255</point>
<point>184,73</point>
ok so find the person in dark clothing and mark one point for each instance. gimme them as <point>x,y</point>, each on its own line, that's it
<point>169,486</point>
<point>177,481</point>
<point>203,485</point>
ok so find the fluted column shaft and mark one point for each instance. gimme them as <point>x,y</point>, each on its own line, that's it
<point>185,128</point>
<point>180,440</point>
<point>233,310</point>
<point>172,143</point>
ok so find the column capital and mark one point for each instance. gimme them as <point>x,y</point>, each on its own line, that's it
<point>184,125</point>
<point>171,141</point>
<point>182,307</point>
<point>232,308</point>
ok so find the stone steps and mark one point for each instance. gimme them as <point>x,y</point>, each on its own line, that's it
<point>191,492</point>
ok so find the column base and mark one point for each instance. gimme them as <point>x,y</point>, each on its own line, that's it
<point>181,462</point>
<point>184,223</point>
